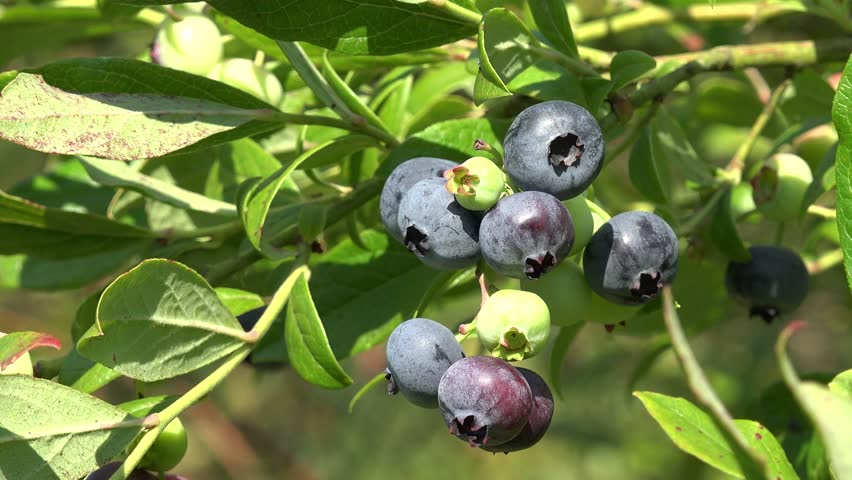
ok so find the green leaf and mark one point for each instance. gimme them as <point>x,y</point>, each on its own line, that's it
<point>29,228</point>
<point>307,344</point>
<point>67,186</point>
<point>551,17</point>
<point>694,432</point>
<point>434,83</point>
<point>830,412</point>
<point>80,373</point>
<point>15,344</point>
<point>452,140</point>
<point>353,101</point>
<point>723,228</point>
<point>810,97</point>
<point>125,126</point>
<point>672,144</point>
<point>628,65</point>
<point>122,76</point>
<point>504,52</point>
<point>393,110</point>
<point>563,342</point>
<point>158,321</point>
<point>49,431</point>
<point>119,175</point>
<point>312,220</point>
<point>649,171</point>
<point>378,27</point>
<point>362,295</point>
<point>843,121</point>
<point>257,196</point>
<point>238,301</point>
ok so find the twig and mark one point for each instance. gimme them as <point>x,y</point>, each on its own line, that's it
<point>825,261</point>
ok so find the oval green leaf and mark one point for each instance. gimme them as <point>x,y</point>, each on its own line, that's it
<point>15,344</point>
<point>694,432</point>
<point>52,432</point>
<point>307,343</point>
<point>158,321</point>
<point>649,171</point>
<point>842,116</point>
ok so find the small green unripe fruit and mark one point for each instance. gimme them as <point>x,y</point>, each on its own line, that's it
<point>570,299</point>
<point>780,186</point>
<point>168,450</point>
<point>192,44</point>
<point>477,183</point>
<point>242,73</point>
<point>584,223</point>
<point>565,291</point>
<point>22,366</point>
<point>814,144</point>
<point>513,325</point>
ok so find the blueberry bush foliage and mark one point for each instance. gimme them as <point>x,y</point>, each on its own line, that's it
<point>229,195</point>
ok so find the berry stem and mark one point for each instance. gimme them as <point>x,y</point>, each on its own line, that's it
<point>739,162</point>
<point>650,15</point>
<point>373,383</point>
<point>825,261</point>
<point>204,387</point>
<point>483,288</point>
<point>709,206</point>
<point>753,463</point>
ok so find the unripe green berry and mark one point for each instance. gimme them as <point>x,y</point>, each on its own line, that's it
<point>192,44</point>
<point>477,183</point>
<point>780,186</point>
<point>513,325</point>
<point>565,291</point>
<point>814,144</point>
<point>23,365</point>
<point>244,74</point>
<point>168,449</point>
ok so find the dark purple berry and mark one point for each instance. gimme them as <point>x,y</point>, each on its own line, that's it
<point>418,352</point>
<point>484,400</point>
<point>631,257</point>
<point>401,180</point>
<point>555,147</point>
<point>539,420</point>
<point>526,234</point>
<point>774,282</point>
<point>436,228</point>
<point>105,472</point>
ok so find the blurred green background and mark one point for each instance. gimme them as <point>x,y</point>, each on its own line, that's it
<point>270,424</point>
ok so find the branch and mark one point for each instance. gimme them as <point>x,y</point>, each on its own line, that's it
<point>797,54</point>
<point>650,15</point>
<point>207,385</point>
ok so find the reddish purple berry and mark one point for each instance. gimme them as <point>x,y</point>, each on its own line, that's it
<point>539,419</point>
<point>484,400</point>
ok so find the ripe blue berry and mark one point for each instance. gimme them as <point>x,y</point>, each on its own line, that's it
<point>773,282</point>
<point>526,234</point>
<point>631,257</point>
<point>418,352</point>
<point>484,400</point>
<point>400,181</point>
<point>555,147</point>
<point>539,419</point>
<point>442,233</point>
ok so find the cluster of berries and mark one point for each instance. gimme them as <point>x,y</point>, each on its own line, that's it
<point>483,400</point>
<point>451,215</point>
<point>193,43</point>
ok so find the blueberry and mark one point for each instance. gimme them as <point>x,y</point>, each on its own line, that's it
<point>631,257</point>
<point>513,325</point>
<point>249,319</point>
<point>526,234</point>
<point>192,44</point>
<point>401,180</point>
<point>249,77</point>
<point>419,351</point>
<point>442,233</point>
<point>478,183</point>
<point>773,282</point>
<point>555,147</point>
<point>484,400</point>
<point>780,186</point>
<point>539,419</point>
